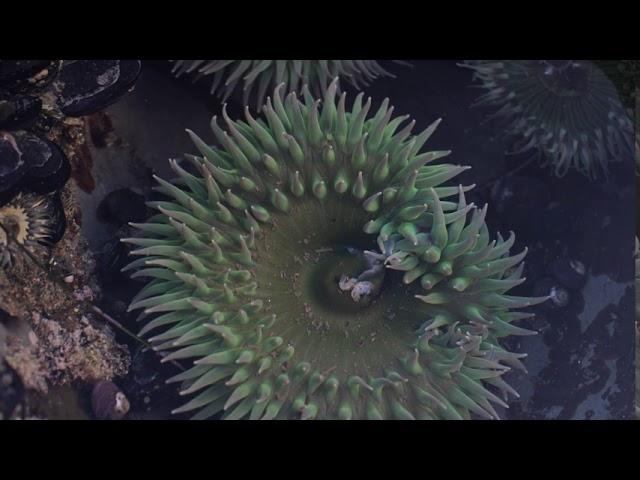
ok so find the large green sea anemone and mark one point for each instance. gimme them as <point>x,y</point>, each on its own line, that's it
<point>263,75</point>
<point>316,265</point>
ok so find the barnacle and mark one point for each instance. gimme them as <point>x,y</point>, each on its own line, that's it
<point>567,111</point>
<point>24,222</point>
<point>265,74</point>
<point>254,253</point>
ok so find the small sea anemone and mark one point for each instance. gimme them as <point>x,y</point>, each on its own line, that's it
<point>256,250</point>
<point>568,111</point>
<point>266,74</point>
<point>26,220</point>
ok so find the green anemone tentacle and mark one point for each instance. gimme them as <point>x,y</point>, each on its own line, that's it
<point>256,77</point>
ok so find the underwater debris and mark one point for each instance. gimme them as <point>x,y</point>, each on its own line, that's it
<point>238,286</point>
<point>568,111</point>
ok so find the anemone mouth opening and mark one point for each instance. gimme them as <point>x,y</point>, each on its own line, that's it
<point>324,280</point>
<point>301,260</point>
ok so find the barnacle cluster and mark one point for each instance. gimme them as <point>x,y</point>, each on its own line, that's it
<point>569,112</point>
<point>257,246</point>
<point>265,74</point>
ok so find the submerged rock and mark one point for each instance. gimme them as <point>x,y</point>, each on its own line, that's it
<point>122,206</point>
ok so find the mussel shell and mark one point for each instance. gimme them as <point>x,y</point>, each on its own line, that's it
<point>87,86</point>
<point>18,110</point>
<point>58,219</point>
<point>49,168</point>
<point>26,75</point>
<point>13,167</point>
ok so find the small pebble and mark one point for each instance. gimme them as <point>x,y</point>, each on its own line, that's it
<point>7,379</point>
<point>68,279</point>
<point>108,402</point>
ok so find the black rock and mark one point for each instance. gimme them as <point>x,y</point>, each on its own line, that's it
<point>122,206</point>
<point>87,86</point>
<point>26,75</point>
<point>18,110</point>
<point>49,168</point>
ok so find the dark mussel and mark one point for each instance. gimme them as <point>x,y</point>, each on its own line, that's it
<point>87,86</point>
<point>49,168</point>
<point>26,75</point>
<point>58,224</point>
<point>17,110</point>
<point>13,167</point>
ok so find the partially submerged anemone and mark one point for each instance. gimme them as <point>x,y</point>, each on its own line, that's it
<point>266,74</point>
<point>250,255</point>
<point>567,111</point>
<point>25,223</point>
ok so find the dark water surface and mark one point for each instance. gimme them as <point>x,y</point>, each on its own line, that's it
<point>581,364</point>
